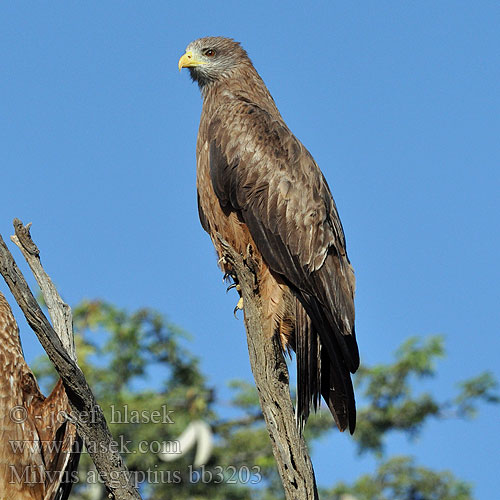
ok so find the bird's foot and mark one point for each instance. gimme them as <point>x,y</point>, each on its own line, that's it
<point>239,306</point>
<point>234,285</point>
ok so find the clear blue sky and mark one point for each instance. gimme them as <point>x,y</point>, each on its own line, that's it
<point>397,101</point>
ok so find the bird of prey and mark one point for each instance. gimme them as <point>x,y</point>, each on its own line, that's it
<point>258,185</point>
<point>37,461</point>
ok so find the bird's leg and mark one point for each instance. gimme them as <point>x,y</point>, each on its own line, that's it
<point>249,251</point>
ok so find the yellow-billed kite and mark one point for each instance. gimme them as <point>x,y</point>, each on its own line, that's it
<point>259,186</point>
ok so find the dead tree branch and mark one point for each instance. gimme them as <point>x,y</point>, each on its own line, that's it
<point>86,413</point>
<point>59,311</point>
<point>271,378</point>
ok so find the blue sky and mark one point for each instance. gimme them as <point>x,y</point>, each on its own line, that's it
<point>399,104</point>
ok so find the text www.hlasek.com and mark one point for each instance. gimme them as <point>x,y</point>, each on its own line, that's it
<point>122,446</point>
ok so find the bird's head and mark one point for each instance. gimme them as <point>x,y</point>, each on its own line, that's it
<point>212,59</point>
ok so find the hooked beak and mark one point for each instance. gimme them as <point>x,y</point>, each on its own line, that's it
<point>188,60</point>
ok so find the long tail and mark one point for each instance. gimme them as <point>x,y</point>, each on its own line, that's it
<point>321,372</point>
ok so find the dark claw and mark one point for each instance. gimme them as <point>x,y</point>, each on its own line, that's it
<point>239,305</point>
<point>233,285</point>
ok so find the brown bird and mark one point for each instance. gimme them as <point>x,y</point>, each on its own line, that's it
<point>259,186</point>
<point>36,441</point>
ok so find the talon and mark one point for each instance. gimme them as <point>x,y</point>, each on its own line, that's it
<point>239,306</point>
<point>234,285</point>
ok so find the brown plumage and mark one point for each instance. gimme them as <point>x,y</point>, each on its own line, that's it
<point>36,442</point>
<point>258,185</point>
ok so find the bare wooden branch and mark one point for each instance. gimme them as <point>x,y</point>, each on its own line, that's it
<point>271,378</point>
<point>86,413</point>
<point>59,311</point>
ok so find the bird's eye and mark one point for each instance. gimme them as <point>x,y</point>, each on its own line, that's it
<point>210,52</point>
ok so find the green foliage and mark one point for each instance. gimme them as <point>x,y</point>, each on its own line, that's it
<point>400,479</point>
<point>137,364</point>
<point>392,403</point>
<point>483,387</point>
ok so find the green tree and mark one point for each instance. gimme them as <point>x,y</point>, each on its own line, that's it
<point>138,364</point>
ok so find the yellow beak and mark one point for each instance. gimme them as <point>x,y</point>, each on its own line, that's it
<point>189,61</point>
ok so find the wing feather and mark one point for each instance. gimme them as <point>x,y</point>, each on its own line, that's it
<point>259,169</point>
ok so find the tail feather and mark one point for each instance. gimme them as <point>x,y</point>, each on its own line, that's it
<point>308,351</point>
<point>321,371</point>
<point>338,393</point>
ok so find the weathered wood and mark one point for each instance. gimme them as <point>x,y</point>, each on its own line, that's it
<point>86,414</point>
<point>271,378</point>
<point>59,311</point>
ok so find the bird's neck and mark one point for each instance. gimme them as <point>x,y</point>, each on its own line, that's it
<point>246,84</point>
